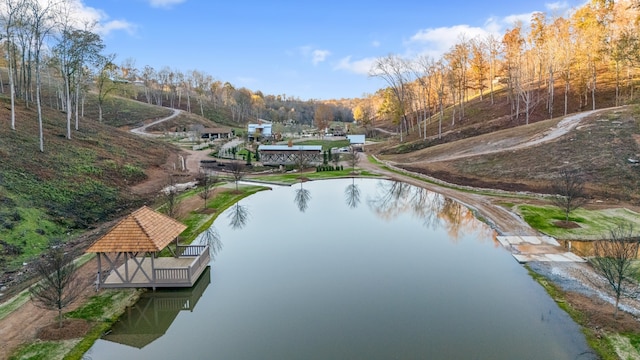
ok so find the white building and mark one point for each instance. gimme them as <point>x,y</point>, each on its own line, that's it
<point>259,131</point>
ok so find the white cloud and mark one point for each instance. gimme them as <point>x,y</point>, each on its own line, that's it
<point>557,6</point>
<point>165,3</point>
<point>564,8</point>
<point>362,66</point>
<point>86,17</point>
<point>316,55</point>
<point>108,27</point>
<point>525,19</point>
<point>319,56</point>
<point>375,43</point>
<point>436,41</point>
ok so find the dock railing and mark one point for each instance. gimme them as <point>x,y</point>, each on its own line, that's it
<point>188,274</point>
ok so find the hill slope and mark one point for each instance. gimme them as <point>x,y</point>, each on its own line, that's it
<point>600,147</point>
<point>74,184</point>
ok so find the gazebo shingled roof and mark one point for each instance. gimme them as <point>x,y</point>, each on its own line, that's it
<point>143,230</point>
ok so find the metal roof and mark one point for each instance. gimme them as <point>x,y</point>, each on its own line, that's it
<point>290,148</point>
<point>356,139</point>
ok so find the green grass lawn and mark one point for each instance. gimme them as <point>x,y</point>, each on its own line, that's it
<point>198,221</point>
<point>292,178</point>
<point>594,224</point>
<point>326,144</point>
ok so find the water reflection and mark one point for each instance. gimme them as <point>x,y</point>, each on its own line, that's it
<point>378,290</point>
<point>211,237</point>
<point>238,216</point>
<point>302,198</point>
<point>153,314</point>
<point>352,194</point>
<point>394,198</point>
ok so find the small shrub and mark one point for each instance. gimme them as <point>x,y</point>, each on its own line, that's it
<point>132,172</point>
<point>110,164</point>
<point>16,216</point>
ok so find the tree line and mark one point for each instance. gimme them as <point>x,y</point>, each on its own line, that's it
<point>535,64</point>
<point>43,39</point>
<point>574,55</point>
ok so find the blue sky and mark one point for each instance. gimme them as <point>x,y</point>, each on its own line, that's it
<point>307,49</point>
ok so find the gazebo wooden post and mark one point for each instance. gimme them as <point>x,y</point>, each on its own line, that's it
<point>126,267</point>
<point>153,273</point>
<point>99,282</point>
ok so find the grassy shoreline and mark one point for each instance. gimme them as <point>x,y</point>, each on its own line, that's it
<point>198,221</point>
<point>105,308</point>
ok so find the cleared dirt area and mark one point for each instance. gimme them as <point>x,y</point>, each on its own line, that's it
<point>601,145</point>
<point>30,322</point>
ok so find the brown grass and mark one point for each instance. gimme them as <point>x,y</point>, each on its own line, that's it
<point>599,148</point>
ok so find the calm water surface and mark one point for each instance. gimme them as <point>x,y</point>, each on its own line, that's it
<point>350,269</point>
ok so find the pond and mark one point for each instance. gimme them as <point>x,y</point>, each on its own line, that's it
<point>350,269</point>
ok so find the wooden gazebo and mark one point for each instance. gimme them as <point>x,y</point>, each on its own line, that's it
<point>130,251</point>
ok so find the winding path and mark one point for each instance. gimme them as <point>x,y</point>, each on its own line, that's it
<point>142,130</point>
<point>568,123</point>
<point>503,220</point>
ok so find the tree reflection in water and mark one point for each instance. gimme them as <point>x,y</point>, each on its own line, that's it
<point>435,210</point>
<point>238,216</point>
<point>211,237</point>
<point>302,198</point>
<point>352,194</point>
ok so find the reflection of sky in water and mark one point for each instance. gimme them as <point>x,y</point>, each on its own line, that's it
<point>404,274</point>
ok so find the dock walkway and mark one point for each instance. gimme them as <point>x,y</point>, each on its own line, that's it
<point>537,248</point>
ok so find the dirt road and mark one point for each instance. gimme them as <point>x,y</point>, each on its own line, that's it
<point>142,130</point>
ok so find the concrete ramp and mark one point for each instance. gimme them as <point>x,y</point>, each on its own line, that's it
<point>537,248</point>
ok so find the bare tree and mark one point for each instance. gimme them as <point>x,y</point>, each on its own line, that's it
<point>8,15</point>
<point>569,190</point>
<point>60,285</point>
<point>424,69</point>
<point>171,198</point>
<point>41,25</point>
<point>206,182</point>
<point>353,157</point>
<point>237,171</point>
<point>394,70</point>
<point>613,259</point>
<point>301,161</point>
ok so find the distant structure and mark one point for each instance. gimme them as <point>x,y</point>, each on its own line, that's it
<point>356,141</point>
<point>276,155</point>
<point>259,131</point>
<point>216,133</point>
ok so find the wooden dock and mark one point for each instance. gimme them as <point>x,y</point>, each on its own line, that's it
<point>150,272</point>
